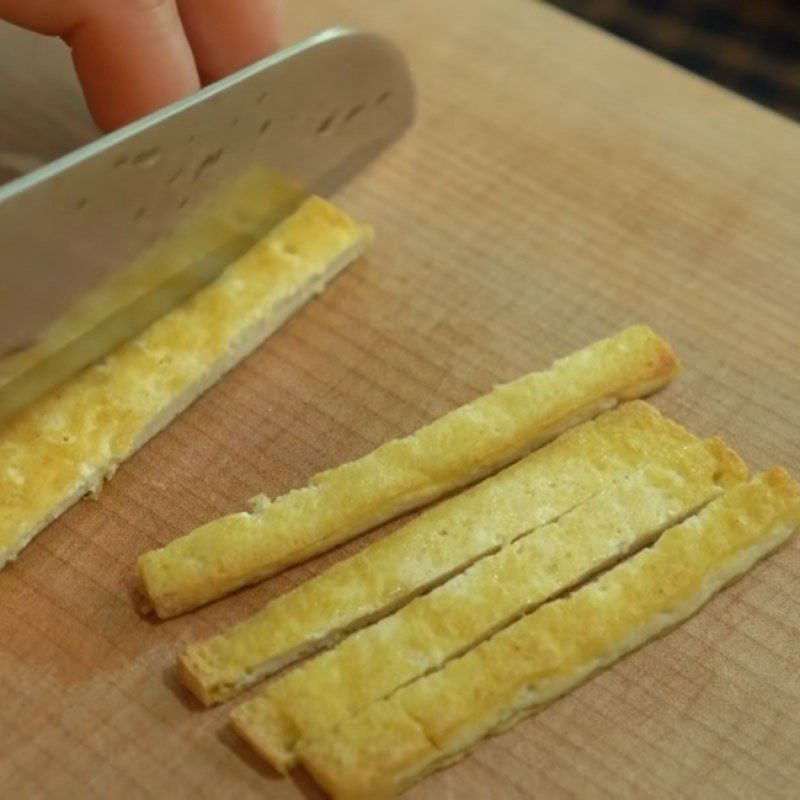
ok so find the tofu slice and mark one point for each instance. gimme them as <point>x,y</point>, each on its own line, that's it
<point>459,448</point>
<point>436,719</point>
<point>439,543</point>
<point>625,516</point>
<point>66,444</point>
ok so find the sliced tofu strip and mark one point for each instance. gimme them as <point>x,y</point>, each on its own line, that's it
<point>438,718</point>
<point>438,544</point>
<point>495,591</point>
<point>65,445</point>
<point>459,448</point>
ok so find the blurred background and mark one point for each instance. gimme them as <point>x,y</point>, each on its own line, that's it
<point>749,46</point>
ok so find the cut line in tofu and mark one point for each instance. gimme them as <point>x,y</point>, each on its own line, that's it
<point>625,516</point>
<point>436,719</point>
<point>411,560</point>
<point>457,449</point>
<point>66,444</point>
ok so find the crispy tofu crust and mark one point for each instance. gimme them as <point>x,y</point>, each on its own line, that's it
<point>438,718</point>
<point>457,449</point>
<point>439,543</point>
<point>495,591</point>
<point>66,444</point>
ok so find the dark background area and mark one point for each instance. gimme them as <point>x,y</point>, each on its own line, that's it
<point>750,46</point>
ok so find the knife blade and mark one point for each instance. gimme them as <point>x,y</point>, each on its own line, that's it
<point>105,240</point>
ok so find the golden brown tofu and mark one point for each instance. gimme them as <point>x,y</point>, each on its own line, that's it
<point>66,444</point>
<point>437,718</point>
<point>621,518</point>
<point>439,543</point>
<point>470,442</point>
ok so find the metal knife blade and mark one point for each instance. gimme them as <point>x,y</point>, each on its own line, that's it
<point>103,241</point>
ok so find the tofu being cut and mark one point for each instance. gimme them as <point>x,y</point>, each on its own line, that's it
<point>66,444</point>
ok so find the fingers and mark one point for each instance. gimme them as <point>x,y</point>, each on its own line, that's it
<point>42,16</point>
<point>135,56</point>
<point>132,57</point>
<point>226,35</point>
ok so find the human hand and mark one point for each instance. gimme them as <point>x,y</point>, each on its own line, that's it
<point>134,56</point>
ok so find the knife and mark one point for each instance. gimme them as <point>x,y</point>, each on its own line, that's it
<point>100,243</point>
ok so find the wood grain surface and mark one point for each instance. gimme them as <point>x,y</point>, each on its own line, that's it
<point>557,186</point>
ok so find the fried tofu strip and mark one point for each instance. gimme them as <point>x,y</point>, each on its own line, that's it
<point>435,720</point>
<point>464,445</point>
<point>439,543</point>
<point>65,445</point>
<point>369,665</point>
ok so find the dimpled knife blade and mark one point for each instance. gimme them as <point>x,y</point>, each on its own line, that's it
<point>304,120</point>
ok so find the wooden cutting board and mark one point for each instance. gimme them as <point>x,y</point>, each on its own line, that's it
<point>558,185</point>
